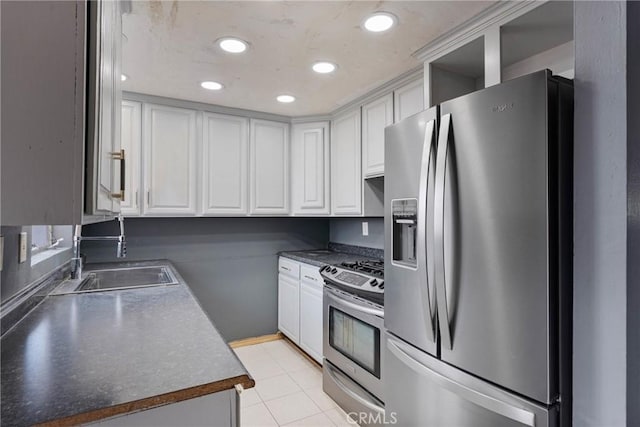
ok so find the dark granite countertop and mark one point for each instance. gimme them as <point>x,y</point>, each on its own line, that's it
<point>87,356</point>
<point>336,254</point>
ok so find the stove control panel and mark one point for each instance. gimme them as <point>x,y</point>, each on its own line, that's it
<point>352,279</point>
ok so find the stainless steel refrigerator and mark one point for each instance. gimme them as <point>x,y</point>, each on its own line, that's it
<point>478,243</point>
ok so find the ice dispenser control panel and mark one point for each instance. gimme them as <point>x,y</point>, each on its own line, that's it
<point>405,222</point>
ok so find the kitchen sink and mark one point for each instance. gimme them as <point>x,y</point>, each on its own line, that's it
<point>124,278</point>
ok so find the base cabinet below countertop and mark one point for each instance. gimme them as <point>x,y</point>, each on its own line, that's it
<point>216,409</point>
<point>300,305</point>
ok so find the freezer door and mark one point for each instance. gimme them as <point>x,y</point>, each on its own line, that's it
<point>422,391</point>
<point>408,268</point>
<point>496,290</point>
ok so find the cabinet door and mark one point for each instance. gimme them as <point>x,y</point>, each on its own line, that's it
<point>346,175</point>
<point>225,159</point>
<point>103,179</point>
<point>375,117</point>
<point>408,100</point>
<point>131,141</point>
<point>169,160</point>
<point>43,125</point>
<point>311,319</point>
<point>289,307</point>
<point>269,152</point>
<point>310,168</point>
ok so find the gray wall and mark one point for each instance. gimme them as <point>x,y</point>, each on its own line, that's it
<point>349,231</point>
<point>600,264</point>
<point>633,213</point>
<point>229,263</point>
<point>15,276</point>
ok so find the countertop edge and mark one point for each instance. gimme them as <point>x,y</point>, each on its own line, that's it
<point>152,402</point>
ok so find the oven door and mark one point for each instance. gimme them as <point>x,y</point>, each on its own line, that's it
<point>352,335</point>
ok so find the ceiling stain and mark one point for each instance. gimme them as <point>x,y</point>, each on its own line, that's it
<point>155,11</point>
<point>174,13</point>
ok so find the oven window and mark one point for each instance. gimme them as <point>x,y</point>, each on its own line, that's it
<point>355,339</point>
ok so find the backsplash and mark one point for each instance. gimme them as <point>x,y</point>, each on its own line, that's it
<point>348,231</point>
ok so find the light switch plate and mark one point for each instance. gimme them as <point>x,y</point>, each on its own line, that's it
<point>23,247</point>
<point>365,228</point>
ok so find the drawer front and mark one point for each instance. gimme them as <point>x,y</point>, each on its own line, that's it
<point>289,267</point>
<point>311,274</point>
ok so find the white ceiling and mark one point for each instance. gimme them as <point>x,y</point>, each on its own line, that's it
<point>170,48</point>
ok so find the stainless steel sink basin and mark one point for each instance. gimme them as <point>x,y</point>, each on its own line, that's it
<point>124,278</point>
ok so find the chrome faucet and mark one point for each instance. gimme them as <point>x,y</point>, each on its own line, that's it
<point>76,261</point>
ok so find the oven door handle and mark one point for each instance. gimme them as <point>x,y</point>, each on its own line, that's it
<point>335,376</point>
<point>354,306</point>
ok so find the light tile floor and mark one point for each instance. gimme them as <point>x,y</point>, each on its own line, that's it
<point>288,389</point>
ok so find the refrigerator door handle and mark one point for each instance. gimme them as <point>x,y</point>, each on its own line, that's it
<point>421,250</point>
<point>490,403</point>
<point>438,238</point>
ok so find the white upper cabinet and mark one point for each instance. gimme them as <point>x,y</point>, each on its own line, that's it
<point>104,184</point>
<point>225,151</point>
<point>408,100</point>
<point>169,160</point>
<point>310,168</point>
<point>269,153</point>
<point>131,142</point>
<point>376,116</point>
<point>346,172</point>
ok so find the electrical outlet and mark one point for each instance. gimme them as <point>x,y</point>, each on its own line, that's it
<point>365,228</point>
<point>23,247</point>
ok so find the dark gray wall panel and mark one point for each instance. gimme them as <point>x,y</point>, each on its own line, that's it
<point>600,197</point>
<point>349,231</point>
<point>229,263</point>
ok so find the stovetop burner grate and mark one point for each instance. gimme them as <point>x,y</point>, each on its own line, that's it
<point>374,268</point>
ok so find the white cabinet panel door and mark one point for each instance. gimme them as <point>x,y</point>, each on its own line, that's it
<point>105,95</point>
<point>131,141</point>
<point>346,175</point>
<point>375,117</point>
<point>225,164</point>
<point>170,160</point>
<point>269,152</point>
<point>408,100</point>
<point>311,319</point>
<point>289,307</point>
<point>310,168</point>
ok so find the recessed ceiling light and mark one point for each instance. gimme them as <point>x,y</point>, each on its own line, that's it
<point>123,77</point>
<point>211,85</point>
<point>232,45</point>
<point>380,21</point>
<point>324,67</point>
<point>286,98</point>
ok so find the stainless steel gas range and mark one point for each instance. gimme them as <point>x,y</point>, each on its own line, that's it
<point>353,319</point>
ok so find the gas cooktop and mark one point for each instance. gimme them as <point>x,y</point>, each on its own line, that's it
<point>361,278</point>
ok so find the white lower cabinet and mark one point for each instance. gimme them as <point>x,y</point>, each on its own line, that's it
<point>289,307</point>
<point>300,305</point>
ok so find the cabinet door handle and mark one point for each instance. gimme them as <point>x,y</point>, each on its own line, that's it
<point>285,268</point>
<point>148,198</point>
<point>120,156</point>
<point>311,278</point>
<point>136,198</point>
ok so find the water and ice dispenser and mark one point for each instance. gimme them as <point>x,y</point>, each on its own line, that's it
<point>405,224</point>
